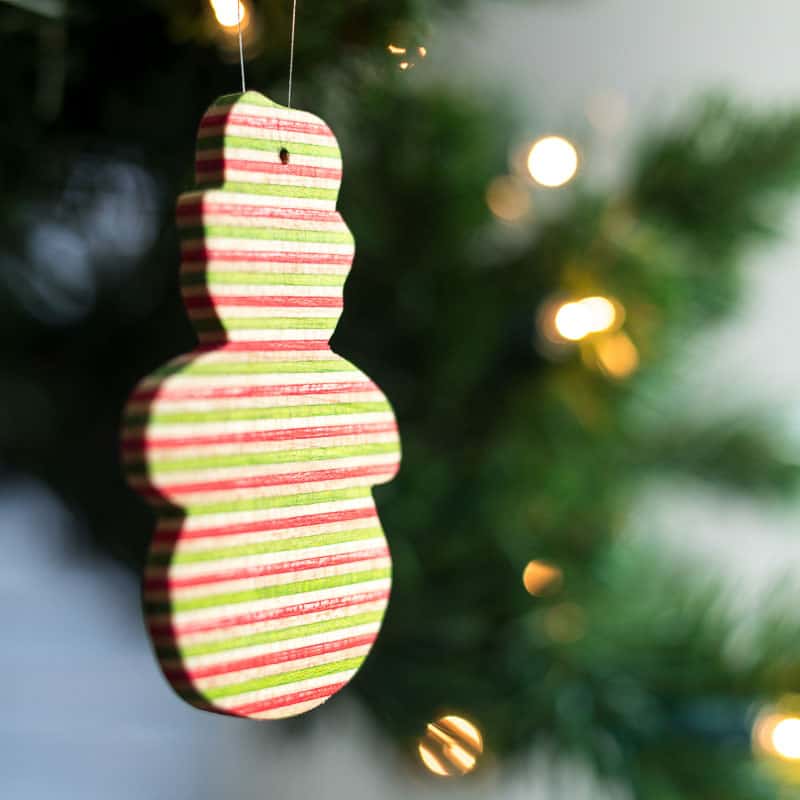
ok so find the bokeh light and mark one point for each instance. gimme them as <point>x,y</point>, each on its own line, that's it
<point>776,736</point>
<point>617,355</point>
<point>552,161</point>
<point>786,738</point>
<point>541,578</point>
<point>229,12</point>
<point>576,320</point>
<point>508,198</point>
<point>451,746</point>
<point>607,112</point>
<point>565,623</point>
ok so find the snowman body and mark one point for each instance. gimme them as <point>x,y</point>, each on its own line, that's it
<point>269,573</point>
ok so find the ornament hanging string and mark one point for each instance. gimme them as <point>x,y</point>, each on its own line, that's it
<point>291,52</point>
<point>240,14</point>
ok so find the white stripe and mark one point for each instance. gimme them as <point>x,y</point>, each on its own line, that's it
<point>252,561</point>
<point>247,426</point>
<point>260,290</point>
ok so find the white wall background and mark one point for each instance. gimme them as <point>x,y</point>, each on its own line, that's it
<point>85,712</point>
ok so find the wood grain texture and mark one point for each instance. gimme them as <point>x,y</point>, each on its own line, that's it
<point>269,573</point>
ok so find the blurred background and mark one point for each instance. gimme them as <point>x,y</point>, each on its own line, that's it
<point>578,231</point>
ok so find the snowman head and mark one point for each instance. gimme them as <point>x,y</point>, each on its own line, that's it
<point>249,144</point>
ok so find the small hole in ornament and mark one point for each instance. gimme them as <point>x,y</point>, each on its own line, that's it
<point>284,155</point>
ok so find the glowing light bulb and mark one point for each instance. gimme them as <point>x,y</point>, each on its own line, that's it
<point>451,746</point>
<point>552,161</point>
<point>229,12</point>
<point>540,578</point>
<point>577,320</point>
<point>395,50</point>
<point>786,738</point>
<point>617,355</point>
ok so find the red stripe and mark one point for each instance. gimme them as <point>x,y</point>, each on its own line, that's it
<point>261,481</point>
<point>195,206</point>
<point>192,253</point>
<point>180,674</point>
<point>165,535</point>
<point>259,301</point>
<point>283,701</point>
<point>289,345</point>
<point>235,392</point>
<point>136,442</point>
<point>215,165</point>
<point>168,583</point>
<point>271,123</point>
<point>171,631</point>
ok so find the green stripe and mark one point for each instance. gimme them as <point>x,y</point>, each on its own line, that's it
<point>255,368</point>
<point>203,277</point>
<point>280,679</point>
<point>267,592</point>
<point>265,323</point>
<point>279,412</point>
<point>260,459</point>
<point>272,234</point>
<point>269,637</point>
<point>272,189</point>
<point>263,548</point>
<point>205,143</point>
<point>271,501</point>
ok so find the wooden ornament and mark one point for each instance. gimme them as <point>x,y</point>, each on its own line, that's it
<point>268,574</point>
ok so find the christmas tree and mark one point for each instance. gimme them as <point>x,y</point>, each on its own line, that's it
<point>531,382</point>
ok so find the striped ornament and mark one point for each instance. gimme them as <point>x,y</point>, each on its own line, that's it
<point>269,573</point>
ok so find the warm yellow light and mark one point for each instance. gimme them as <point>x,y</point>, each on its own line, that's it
<point>395,50</point>
<point>229,12</point>
<point>423,51</point>
<point>404,65</point>
<point>552,161</point>
<point>786,738</point>
<point>617,355</point>
<point>540,578</point>
<point>451,746</point>
<point>565,623</point>
<point>508,198</point>
<point>581,318</point>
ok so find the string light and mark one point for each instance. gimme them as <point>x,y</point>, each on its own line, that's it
<point>576,320</point>
<point>508,198</point>
<point>552,161</point>
<point>451,746</point>
<point>229,12</point>
<point>565,623</point>
<point>401,52</point>
<point>776,737</point>
<point>786,738</point>
<point>617,355</point>
<point>541,578</point>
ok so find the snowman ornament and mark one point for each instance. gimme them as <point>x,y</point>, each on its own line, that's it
<point>268,574</point>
